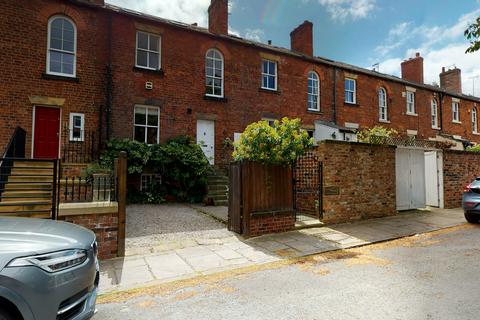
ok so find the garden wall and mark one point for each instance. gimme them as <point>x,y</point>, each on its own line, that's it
<point>358,181</point>
<point>459,169</point>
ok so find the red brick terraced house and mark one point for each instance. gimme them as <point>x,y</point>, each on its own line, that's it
<point>76,68</point>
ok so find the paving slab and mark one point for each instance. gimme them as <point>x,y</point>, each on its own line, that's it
<point>205,254</point>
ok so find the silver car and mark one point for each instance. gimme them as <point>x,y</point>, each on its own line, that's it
<point>48,270</point>
<point>471,201</point>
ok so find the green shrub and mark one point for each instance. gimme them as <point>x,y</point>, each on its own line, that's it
<point>475,148</point>
<point>180,161</point>
<point>281,143</point>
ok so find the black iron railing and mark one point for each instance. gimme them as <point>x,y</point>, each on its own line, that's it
<point>79,146</point>
<point>15,149</point>
<point>99,188</point>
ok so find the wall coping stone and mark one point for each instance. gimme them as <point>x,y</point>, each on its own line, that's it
<point>86,208</point>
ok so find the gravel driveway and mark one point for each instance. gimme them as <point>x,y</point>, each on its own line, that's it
<point>153,225</point>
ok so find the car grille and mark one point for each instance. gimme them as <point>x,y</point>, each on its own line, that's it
<point>72,306</point>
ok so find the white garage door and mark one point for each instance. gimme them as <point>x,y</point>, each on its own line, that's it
<point>432,183</point>
<point>410,175</point>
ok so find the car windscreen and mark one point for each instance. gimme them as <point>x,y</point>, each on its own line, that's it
<point>475,184</point>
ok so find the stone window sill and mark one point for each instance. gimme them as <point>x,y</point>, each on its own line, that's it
<point>412,114</point>
<point>46,76</point>
<point>269,90</point>
<point>159,72</point>
<point>351,104</point>
<point>314,111</point>
<point>384,121</point>
<point>436,128</point>
<point>215,98</point>
<point>457,122</point>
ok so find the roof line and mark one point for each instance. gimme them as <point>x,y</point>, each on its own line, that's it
<point>321,60</point>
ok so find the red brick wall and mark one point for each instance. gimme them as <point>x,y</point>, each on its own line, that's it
<point>459,169</point>
<point>23,44</point>
<point>364,176</point>
<point>272,223</point>
<point>105,227</point>
<point>366,111</point>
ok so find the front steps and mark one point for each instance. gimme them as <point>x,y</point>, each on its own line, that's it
<point>217,187</point>
<point>28,190</point>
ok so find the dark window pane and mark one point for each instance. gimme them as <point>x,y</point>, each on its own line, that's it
<point>67,58</point>
<point>68,46</point>
<point>218,64</point>
<point>76,133</point>
<point>140,116</point>
<point>67,25</point>
<point>140,134</point>
<point>265,67</point>
<point>209,72</point>
<point>55,66</point>
<point>218,73</point>
<point>264,81</point>
<point>217,82</point>
<point>56,33</point>
<point>67,68</point>
<point>208,90</point>
<point>77,121</point>
<point>209,63</point>
<point>271,82</point>
<point>153,117</point>
<point>154,41</point>
<point>55,56</point>
<point>217,91</point>
<point>56,44</point>
<point>209,81</point>
<point>57,23</point>
<point>68,35</point>
<point>152,135</point>
<point>142,40</point>
<point>141,58</point>
<point>153,60</point>
<point>272,68</point>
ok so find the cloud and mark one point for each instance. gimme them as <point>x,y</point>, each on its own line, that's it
<point>188,11</point>
<point>343,10</point>
<point>440,46</point>
<point>254,34</point>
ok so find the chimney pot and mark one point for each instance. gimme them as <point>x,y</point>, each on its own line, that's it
<point>269,42</point>
<point>412,69</point>
<point>302,38</point>
<point>218,17</point>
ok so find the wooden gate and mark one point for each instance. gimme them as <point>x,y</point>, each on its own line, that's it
<point>307,186</point>
<point>235,217</point>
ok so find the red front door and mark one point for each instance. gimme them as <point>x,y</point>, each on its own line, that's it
<point>47,133</point>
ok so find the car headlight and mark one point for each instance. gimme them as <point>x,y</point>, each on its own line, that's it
<point>53,262</point>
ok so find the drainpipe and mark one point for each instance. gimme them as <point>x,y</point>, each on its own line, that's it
<point>440,110</point>
<point>335,95</point>
<point>109,80</point>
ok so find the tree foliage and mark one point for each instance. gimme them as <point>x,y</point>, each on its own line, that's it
<point>475,148</point>
<point>376,135</point>
<point>281,143</point>
<point>473,35</point>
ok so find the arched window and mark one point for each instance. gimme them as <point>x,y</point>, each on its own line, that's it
<point>434,114</point>
<point>214,73</point>
<point>62,46</point>
<point>313,92</point>
<point>382,104</point>
<point>475,120</point>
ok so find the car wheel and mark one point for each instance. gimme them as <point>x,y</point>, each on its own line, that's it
<point>471,218</point>
<point>4,315</point>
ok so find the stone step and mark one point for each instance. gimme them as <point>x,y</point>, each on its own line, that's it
<point>217,193</point>
<point>29,178</point>
<point>32,164</point>
<point>218,198</point>
<point>27,185</point>
<point>19,193</point>
<point>30,171</point>
<point>220,202</point>
<point>217,187</point>
<point>28,207</point>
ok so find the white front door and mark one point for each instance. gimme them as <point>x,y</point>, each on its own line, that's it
<point>410,176</point>
<point>206,138</point>
<point>431,179</point>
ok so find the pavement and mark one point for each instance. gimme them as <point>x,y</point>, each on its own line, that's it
<point>184,259</point>
<point>428,276</point>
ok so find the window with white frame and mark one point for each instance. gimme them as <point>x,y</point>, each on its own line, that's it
<point>269,74</point>
<point>147,180</point>
<point>434,114</point>
<point>382,104</point>
<point>270,121</point>
<point>148,51</point>
<point>77,127</point>
<point>146,124</point>
<point>474,120</point>
<point>455,112</point>
<point>214,73</point>
<point>411,102</point>
<point>62,47</point>
<point>313,92</point>
<point>350,90</point>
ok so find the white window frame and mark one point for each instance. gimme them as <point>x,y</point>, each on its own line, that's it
<point>270,121</point>
<point>62,51</point>
<point>410,98</point>
<point>382,105</point>
<point>434,112</point>
<point>213,76</point>
<point>149,178</point>
<point>146,126</point>
<point>354,81</point>
<point>313,76</point>
<point>275,75</point>
<point>82,127</point>
<point>159,52</point>
<point>456,112</point>
<point>475,120</point>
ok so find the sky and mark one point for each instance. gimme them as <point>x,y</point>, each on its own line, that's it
<point>359,32</point>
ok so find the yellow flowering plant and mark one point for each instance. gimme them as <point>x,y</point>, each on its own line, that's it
<point>281,143</point>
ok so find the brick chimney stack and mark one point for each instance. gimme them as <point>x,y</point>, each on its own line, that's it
<point>218,17</point>
<point>302,38</point>
<point>451,80</point>
<point>412,69</point>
